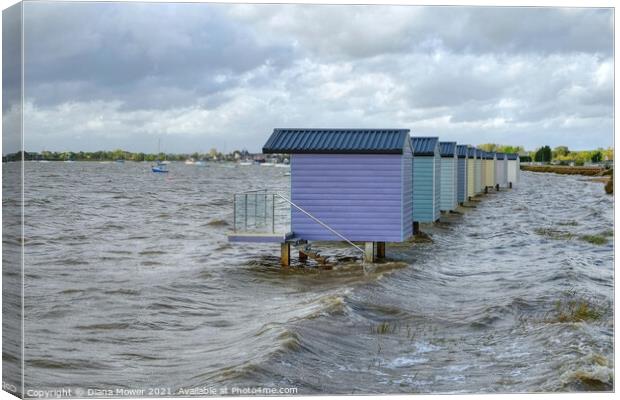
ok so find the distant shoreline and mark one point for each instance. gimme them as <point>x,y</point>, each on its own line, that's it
<point>568,170</point>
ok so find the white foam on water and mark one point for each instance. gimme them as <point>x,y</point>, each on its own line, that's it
<point>401,362</point>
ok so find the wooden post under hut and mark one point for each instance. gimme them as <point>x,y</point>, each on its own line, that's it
<point>285,254</point>
<point>380,249</point>
<point>369,251</point>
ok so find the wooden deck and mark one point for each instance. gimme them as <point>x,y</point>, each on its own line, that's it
<point>254,237</point>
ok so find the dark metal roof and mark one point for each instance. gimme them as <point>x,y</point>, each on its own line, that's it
<point>471,152</point>
<point>512,156</point>
<point>479,153</point>
<point>461,150</point>
<point>337,141</point>
<point>447,149</point>
<point>424,146</point>
<point>500,156</point>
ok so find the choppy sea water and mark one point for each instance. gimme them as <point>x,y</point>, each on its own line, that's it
<point>130,283</point>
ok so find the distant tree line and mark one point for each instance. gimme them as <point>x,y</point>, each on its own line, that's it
<point>113,155</point>
<point>562,155</point>
<point>559,155</point>
<point>492,147</point>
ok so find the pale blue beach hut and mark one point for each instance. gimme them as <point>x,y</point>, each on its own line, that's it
<point>426,179</point>
<point>461,175</point>
<point>449,168</point>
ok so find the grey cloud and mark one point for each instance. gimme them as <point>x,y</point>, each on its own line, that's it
<point>116,49</point>
<point>125,72</point>
<point>366,31</point>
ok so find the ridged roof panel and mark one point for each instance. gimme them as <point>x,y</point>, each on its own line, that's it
<point>447,149</point>
<point>337,141</point>
<point>512,156</point>
<point>461,150</point>
<point>424,146</point>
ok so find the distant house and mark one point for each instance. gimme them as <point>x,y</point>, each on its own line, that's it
<point>426,179</point>
<point>449,169</point>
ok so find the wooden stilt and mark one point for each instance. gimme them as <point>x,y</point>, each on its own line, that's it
<point>369,252</point>
<point>510,185</point>
<point>486,189</point>
<point>497,187</point>
<point>303,257</point>
<point>416,227</point>
<point>285,254</point>
<point>380,249</point>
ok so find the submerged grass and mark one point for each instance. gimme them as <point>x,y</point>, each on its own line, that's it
<point>554,233</point>
<point>404,330</point>
<point>568,223</point>
<point>576,308</point>
<point>594,239</point>
<point>598,239</point>
<point>383,328</point>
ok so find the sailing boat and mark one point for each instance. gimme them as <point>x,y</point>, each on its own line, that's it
<point>160,167</point>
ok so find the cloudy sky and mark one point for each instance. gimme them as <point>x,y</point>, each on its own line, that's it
<point>112,75</point>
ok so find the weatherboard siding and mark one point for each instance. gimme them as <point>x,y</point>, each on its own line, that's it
<point>500,172</point>
<point>471,181</point>
<point>513,171</point>
<point>407,193</point>
<point>425,187</point>
<point>448,185</point>
<point>489,170</point>
<point>360,196</point>
<point>461,180</point>
<point>479,175</point>
<point>437,185</point>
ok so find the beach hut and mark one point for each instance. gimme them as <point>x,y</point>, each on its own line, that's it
<point>514,169</point>
<point>489,169</point>
<point>501,170</point>
<point>448,182</point>
<point>461,175</point>
<point>426,178</point>
<point>352,185</point>
<point>479,172</point>
<point>471,172</point>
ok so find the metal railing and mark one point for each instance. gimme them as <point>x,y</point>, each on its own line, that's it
<point>257,211</point>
